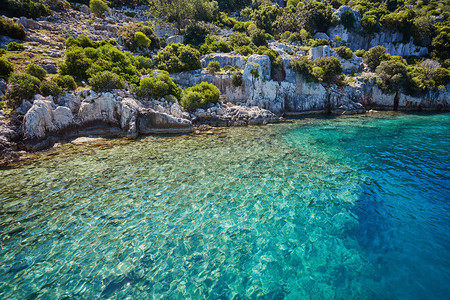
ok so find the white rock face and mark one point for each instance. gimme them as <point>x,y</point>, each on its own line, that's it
<point>176,39</point>
<point>224,59</point>
<point>103,108</point>
<point>321,51</point>
<point>392,41</point>
<point>38,120</point>
<point>261,63</point>
<point>128,117</point>
<point>62,117</point>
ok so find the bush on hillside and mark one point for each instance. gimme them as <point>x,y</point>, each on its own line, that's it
<point>22,86</point>
<point>6,68</point>
<point>213,66</point>
<point>374,56</point>
<point>14,46</point>
<point>303,65</point>
<point>178,58</point>
<point>157,87</point>
<point>331,67</point>
<point>84,63</point>
<point>27,8</point>
<point>348,19</point>
<point>66,82</point>
<point>98,7</point>
<point>318,42</point>
<point>142,40</point>
<point>259,37</point>
<point>51,87</point>
<point>360,52</point>
<point>106,81</point>
<point>36,71</point>
<point>196,33</point>
<point>128,32</point>
<point>391,75</point>
<point>199,95</point>
<point>236,80</point>
<point>344,52</point>
<point>10,28</point>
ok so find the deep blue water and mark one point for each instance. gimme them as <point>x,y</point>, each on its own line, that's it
<point>319,208</point>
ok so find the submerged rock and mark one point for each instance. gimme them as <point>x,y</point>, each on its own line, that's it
<point>151,121</point>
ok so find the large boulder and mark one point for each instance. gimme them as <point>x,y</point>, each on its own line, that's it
<point>151,121</point>
<point>29,23</point>
<point>38,120</point>
<point>44,117</point>
<point>104,108</point>
<point>129,115</point>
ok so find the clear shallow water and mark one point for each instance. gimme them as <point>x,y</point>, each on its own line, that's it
<point>322,208</point>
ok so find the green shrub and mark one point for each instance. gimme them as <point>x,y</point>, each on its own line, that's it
<point>51,87</point>
<point>441,44</point>
<point>303,65</point>
<point>315,16</point>
<point>348,19</point>
<point>318,42</point>
<point>128,32</point>
<point>374,56</point>
<point>331,67</point>
<point>14,46</point>
<point>369,23</point>
<point>2,52</point>
<point>27,8</point>
<point>244,50</point>
<point>142,40</point>
<point>66,82</point>
<point>191,100</point>
<point>360,52</point>
<point>83,63</point>
<point>196,32</point>
<point>239,39</point>
<point>213,66</point>
<point>157,87</point>
<point>344,52</point>
<point>81,41</point>
<point>259,37</point>
<point>391,75</point>
<point>36,71</point>
<point>144,62</point>
<point>178,58</point>
<point>98,7</point>
<point>22,86</point>
<point>236,80</point>
<point>221,46</point>
<point>10,28</point>
<point>318,73</point>
<point>6,68</point>
<point>162,42</point>
<point>441,76</point>
<point>106,81</point>
<point>200,95</point>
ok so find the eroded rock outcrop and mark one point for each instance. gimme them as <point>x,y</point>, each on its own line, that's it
<point>89,109</point>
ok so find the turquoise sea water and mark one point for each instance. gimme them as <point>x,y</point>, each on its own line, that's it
<point>319,208</point>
